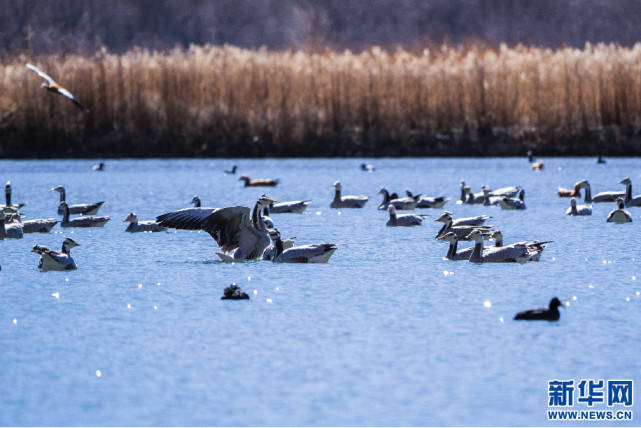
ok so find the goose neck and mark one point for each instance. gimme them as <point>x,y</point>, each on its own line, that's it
<point>7,195</point>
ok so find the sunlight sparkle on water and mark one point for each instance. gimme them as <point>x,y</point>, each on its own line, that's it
<point>56,295</point>
<point>15,321</point>
<point>500,319</point>
<point>98,373</point>
<point>268,300</point>
<point>255,292</point>
<point>487,304</point>
<point>128,305</point>
<point>139,285</point>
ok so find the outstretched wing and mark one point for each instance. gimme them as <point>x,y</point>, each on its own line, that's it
<point>65,93</point>
<point>187,218</point>
<point>41,73</point>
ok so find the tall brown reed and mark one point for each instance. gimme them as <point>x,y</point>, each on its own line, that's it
<point>231,101</point>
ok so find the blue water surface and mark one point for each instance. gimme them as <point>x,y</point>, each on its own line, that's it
<point>387,333</point>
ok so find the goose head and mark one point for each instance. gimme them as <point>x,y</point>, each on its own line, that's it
<point>337,185</point>
<point>462,183</point>
<point>475,235</point>
<point>265,201</point>
<point>626,181</point>
<point>445,217</point>
<point>497,235</point>
<point>58,189</point>
<point>244,178</point>
<point>70,243</point>
<point>195,200</point>
<point>555,303</point>
<point>383,190</point>
<point>274,234</point>
<point>131,218</point>
<point>583,184</point>
<point>449,237</point>
<point>8,186</point>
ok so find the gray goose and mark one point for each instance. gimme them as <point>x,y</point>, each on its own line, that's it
<point>236,229</point>
<point>142,226</point>
<point>83,221</point>
<point>86,209</point>
<point>407,203</point>
<point>348,201</point>
<point>403,219</point>
<point>315,253</point>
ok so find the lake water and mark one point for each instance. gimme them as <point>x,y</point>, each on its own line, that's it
<point>387,333</point>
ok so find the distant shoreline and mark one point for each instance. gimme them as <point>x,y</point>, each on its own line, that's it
<point>223,101</point>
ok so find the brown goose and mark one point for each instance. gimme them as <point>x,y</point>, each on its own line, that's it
<point>258,182</point>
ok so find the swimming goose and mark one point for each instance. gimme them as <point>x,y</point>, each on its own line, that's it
<point>452,238</point>
<point>461,231</point>
<point>270,252</point>
<point>196,201</point>
<point>629,200</point>
<point>427,201</point>
<point>98,167</point>
<point>535,248</point>
<point>566,193</point>
<point>289,207</point>
<point>403,219</point>
<point>315,253</point>
<point>232,170</point>
<point>349,201</point>
<point>367,167</point>
<point>7,197</point>
<point>551,313</point>
<point>142,226</point>
<point>258,182</point>
<point>234,292</point>
<point>87,209</point>
<point>52,86</point>
<point>480,254</point>
<point>619,215</point>
<point>468,221</point>
<point>407,203</point>
<point>41,225</point>
<point>83,221</point>
<point>578,210</point>
<point>610,196</point>
<point>236,229</point>
<point>490,200</point>
<point>537,166</point>
<point>56,260</point>
<point>513,203</point>
<point>10,230</point>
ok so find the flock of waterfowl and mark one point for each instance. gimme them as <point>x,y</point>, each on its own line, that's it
<point>249,234</point>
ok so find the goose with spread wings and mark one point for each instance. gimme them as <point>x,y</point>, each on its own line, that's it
<point>52,86</point>
<point>236,229</point>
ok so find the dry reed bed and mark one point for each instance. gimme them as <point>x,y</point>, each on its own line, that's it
<point>226,100</point>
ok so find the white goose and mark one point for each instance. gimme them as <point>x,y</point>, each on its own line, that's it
<point>56,260</point>
<point>629,200</point>
<point>452,253</point>
<point>610,196</point>
<point>348,201</point>
<point>297,207</point>
<point>83,221</point>
<point>407,203</point>
<point>619,215</point>
<point>480,254</point>
<point>11,230</point>
<point>508,192</point>
<point>236,229</point>
<point>403,219</point>
<point>535,248</point>
<point>86,209</point>
<point>142,226</point>
<point>461,231</point>
<point>316,253</point>
<point>576,210</point>
<point>428,201</point>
